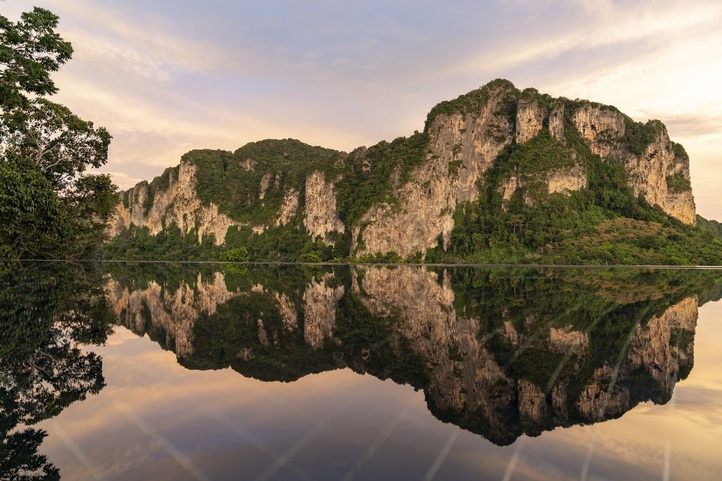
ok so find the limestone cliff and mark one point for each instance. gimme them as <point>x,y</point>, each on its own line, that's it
<point>467,376</point>
<point>495,146</point>
<point>648,166</point>
<point>177,204</point>
<point>321,212</point>
<point>426,203</point>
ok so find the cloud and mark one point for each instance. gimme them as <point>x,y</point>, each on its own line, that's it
<point>167,76</point>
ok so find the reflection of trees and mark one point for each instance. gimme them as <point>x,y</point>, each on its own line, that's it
<point>498,352</point>
<point>46,312</point>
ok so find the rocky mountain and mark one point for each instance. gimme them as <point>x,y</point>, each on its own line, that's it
<point>494,167</point>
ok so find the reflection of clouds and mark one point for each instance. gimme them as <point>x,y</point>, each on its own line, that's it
<point>157,420</point>
<point>220,420</point>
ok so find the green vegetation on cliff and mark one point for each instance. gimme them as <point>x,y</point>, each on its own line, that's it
<point>712,226</point>
<point>249,184</point>
<point>517,218</point>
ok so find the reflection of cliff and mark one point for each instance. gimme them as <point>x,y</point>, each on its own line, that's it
<point>501,376</point>
<point>498,353</point>
<point>160,312</point>
<point>254,323</point>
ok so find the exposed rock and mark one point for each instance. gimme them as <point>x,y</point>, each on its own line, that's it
<point>561,181</point>
<point>510,334</point>
<point>289,206</point>
<point>289,316</point>
<point>462,374</point>
<point>648,176</point>
<point>556,123</point>
<point>647,172</point>
<point>651,347</point>
<point>532,402</point>
<point>178,204</point>
<point>265,184</point>
<point>565,181</point>
<point>262,334</point>
<point>321,217</point>
<point>427,202</point>
<point>529,118</point>
<point>566,340</point>
<point>598,125</point>
<point>602,398</point>
<point>248,164</point>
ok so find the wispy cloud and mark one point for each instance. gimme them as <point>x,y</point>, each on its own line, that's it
<point>164,76</point>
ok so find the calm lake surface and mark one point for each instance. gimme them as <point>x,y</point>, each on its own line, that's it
<point>227,372</point>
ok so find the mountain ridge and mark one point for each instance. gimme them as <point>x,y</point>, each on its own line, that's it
<point>496,166</point>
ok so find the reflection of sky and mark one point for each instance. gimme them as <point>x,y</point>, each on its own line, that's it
<point>168,76</point>
<point>156,420</point>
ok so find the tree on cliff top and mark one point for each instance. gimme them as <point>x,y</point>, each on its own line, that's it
<point>49,207</point>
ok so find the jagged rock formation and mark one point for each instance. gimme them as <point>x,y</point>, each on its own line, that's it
<point>321,213</point>
<point>466,377</point>
<point>177,204</point>
<point>648,169</point>
<point>482,141</point>
<point>320,303</point>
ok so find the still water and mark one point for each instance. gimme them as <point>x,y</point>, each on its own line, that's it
<point>175,372</point>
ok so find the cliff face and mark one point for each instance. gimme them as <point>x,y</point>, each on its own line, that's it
<point>426,203</point>
<point>469,378</point>
<point>321,213</point>
<point>495,139</point>
<point>649,168</point>
<point>177,204</point>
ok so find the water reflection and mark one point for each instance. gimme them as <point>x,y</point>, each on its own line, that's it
<point>497,352</point>
<point>46,311</point>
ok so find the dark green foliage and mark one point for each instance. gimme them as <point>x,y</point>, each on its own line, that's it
<point>469,103</point>
<point>679,151</point>
<point>372,173</point>
<point>46,311</point>
<point>31,217</point>
<point>136,243</point>
<point>233,181</point>
<point>29,51</point>
<point>678,183</point>
<point>638,136</point>
<point>534,158</point>
<point>50,207</point>
<point>712,226</point>
<point>236,254</point>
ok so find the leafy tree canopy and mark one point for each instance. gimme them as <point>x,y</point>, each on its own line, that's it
<point>51,208</point>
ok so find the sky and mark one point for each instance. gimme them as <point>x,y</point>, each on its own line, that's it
<point>165,77</point>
